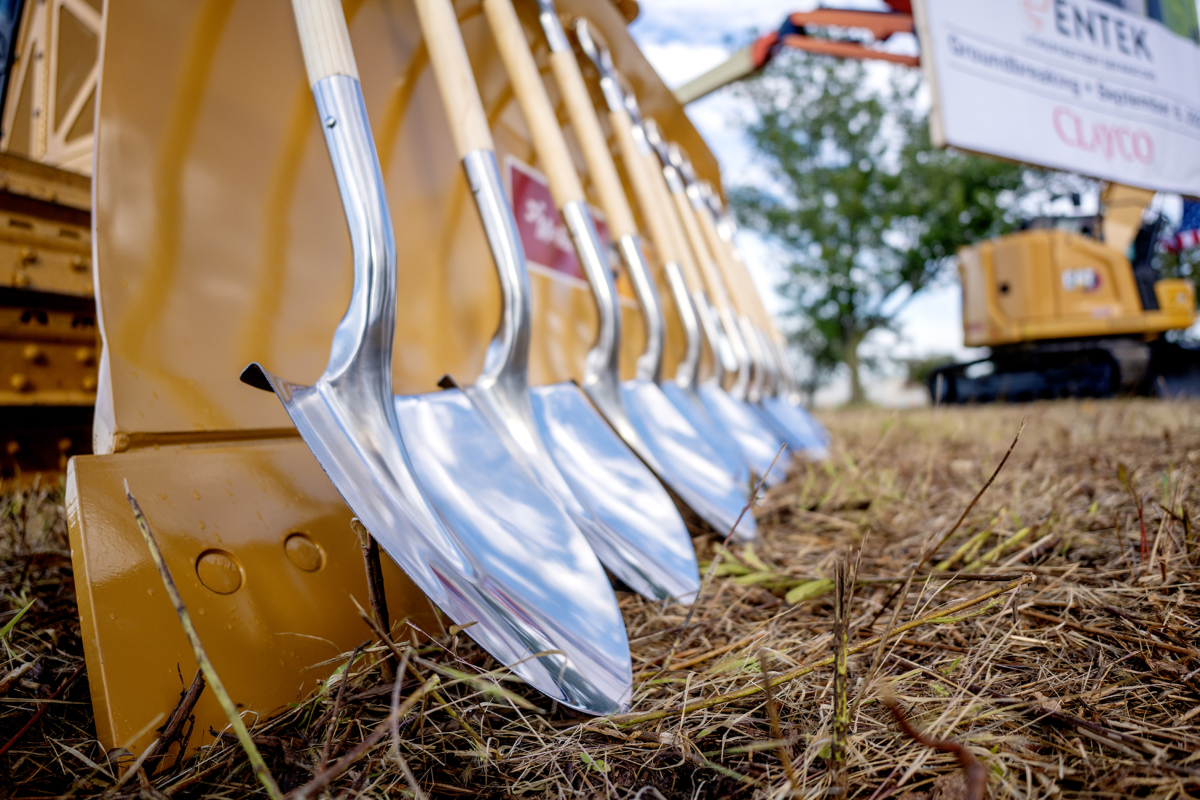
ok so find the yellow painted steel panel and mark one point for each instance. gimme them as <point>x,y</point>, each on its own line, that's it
<point>260,546</point>
<point>1091,281</point>
<point>1023,276</point>
<point>1052,284</point>
<point>220,237</point>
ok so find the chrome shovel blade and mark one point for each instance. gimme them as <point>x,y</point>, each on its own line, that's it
<point>542,579</point>
<point>624,495</point>
<point>475,532</point>
<point>640,413</point>
<point>689,405</point>
<point>795,426</point>
<point>686,463</point>
<point>759,444</point>
<point>496,551</point>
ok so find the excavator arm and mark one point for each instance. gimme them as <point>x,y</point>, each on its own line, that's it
<point>798,31</point>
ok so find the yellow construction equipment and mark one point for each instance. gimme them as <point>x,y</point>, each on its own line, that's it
<point>1072,307</point>
<point>168,215</point>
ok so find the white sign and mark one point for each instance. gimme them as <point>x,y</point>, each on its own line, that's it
<point>1079,85</point>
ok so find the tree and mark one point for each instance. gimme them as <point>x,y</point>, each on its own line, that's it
<point>867,210</point>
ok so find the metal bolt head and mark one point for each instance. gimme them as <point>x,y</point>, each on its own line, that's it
<point>89,383</point>
<point>85,356</point>
<point>304,552</point>
<point>19,382</point>
<point>219,571</point>
<point>33,354</point>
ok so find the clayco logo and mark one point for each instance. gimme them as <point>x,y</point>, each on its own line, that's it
<point>1035,13</point>
<point>1080,279</point>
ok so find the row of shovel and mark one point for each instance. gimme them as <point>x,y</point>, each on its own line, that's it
<point>504,502</point>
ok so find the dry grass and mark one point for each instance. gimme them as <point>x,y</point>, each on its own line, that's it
<point>1084,682</point>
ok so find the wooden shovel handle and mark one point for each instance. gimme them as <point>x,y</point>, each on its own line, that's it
<point>722,258</point>
<point>531,95</point>
<point>592,141</point>
<point>737,275</point>
<point>456,82</point>
<point>324,39</point>
<point>704,258</point>
<point>674,233</point>
<point>649,200</point>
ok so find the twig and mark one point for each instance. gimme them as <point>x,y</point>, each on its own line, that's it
<point>781,750</point>
<point>1129,745</point>
<point>1184,651</point>
<point>41,712</point>
<point>843,590</point>
<point>387,640</point>
<point>927,553</point>
<point>323,778</point>
<point>949,613</point>
<point>210,672</point>
<point>1126,477</point>
<point>174,727</point>
<point>337,705</point>
<point>952,577</point>
<point>376,593</point>
<point>976,773</point>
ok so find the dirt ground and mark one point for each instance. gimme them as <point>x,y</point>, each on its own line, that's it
<point>1040,639</point>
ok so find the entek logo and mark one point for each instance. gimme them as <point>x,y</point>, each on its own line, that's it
<point>1089,24</point>
<point>1035,13</point>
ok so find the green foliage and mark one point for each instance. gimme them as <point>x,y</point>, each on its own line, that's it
<point>867,210</point>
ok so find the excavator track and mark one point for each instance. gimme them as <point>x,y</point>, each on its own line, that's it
<point>1102,367</point>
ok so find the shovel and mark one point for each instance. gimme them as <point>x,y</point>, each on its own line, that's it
<point>475,532</point>
<point>759,444</point>
<point>624,512</point>
<point>658,433</point>
<point>741,332</point>
<point>646,391</point>
<point>634,149</point>
<point>786,420</point>
<point>791,420</point>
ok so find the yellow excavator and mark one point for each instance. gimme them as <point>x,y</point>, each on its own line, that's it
<point>1072,306</point>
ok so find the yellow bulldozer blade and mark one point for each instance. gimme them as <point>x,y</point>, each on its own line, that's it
<point>260,545</point>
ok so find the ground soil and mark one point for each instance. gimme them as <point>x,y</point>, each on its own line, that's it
<point>1044,642</point>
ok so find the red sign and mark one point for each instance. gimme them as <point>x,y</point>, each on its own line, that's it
<point>544,235</point>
